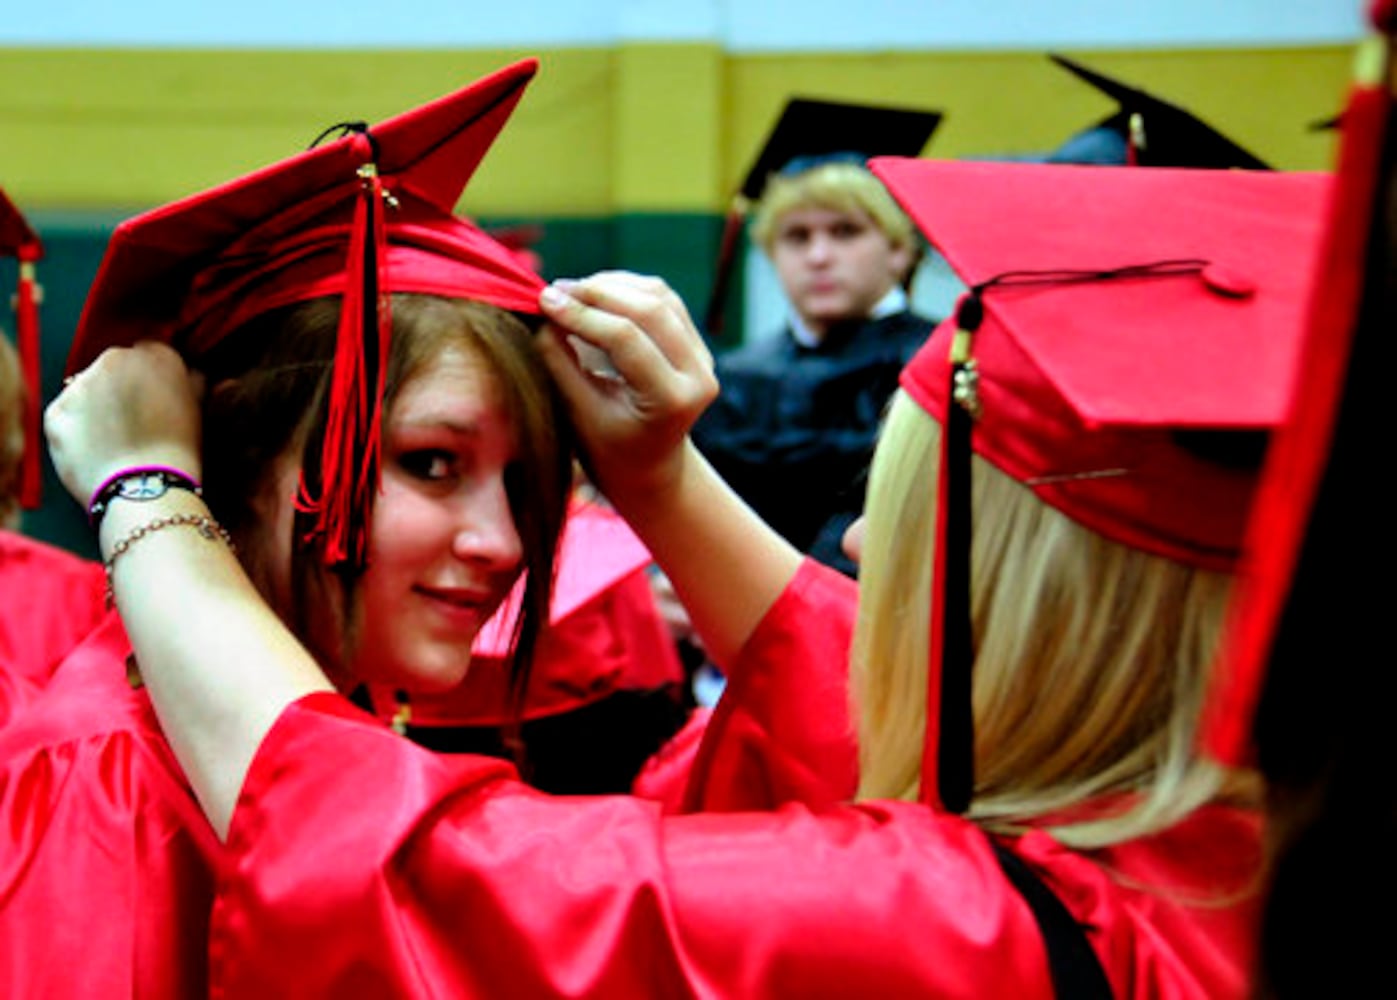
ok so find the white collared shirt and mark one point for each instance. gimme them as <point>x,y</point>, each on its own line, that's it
<point>893,302</point>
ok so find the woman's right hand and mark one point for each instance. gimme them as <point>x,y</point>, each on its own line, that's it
<point>634,419</point>
<point>634,423</point>
<point>133,406</point>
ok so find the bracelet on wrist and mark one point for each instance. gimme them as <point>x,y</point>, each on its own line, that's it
<point>139,483</point>
<point>206,526</point>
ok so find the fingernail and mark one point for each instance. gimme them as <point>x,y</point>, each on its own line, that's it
<point>554,297</point>
<point>566,284</point>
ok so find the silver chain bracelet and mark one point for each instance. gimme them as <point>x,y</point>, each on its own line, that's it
<point>205,525</point>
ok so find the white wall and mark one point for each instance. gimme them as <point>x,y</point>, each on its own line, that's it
<point>741,25</point>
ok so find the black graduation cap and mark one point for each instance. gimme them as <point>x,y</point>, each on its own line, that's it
<point>810,133</point>
<point>1160,134</point>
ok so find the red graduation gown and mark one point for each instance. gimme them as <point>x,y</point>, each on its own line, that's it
<point>360,865</point>
<point>49,600</point>
<point>106,862</point>
<point>782,731</point>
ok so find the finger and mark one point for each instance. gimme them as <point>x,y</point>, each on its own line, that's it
<point>634,355</point>
<point>652,306</point>
<point>651,303</point>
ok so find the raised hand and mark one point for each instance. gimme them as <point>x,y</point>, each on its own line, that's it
<point>132,406</point>
<point>635,374</point>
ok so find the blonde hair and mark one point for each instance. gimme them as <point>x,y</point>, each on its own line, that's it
<point>838,187</point>
<point>11,432</point>
<point>1091,657</point>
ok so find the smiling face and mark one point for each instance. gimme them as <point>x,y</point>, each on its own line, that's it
<point>474,475</point>
<point>444,549</point>
<point>834,265</point>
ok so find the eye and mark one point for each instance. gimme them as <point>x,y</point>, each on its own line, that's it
<point>847,230</point>
<point>795,236</point>
<point>428,464</point>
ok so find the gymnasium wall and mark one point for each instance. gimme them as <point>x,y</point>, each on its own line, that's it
<point>642,121</point>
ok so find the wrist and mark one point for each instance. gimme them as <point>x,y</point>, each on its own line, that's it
<point>123,518</point>
<point>138,483</point>
<point>637,493</point>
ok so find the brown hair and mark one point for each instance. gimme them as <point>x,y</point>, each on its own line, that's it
<point>269,381</point>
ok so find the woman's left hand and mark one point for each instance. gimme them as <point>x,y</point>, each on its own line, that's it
<point>133,406</point>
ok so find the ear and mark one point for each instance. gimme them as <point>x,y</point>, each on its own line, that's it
<point>900,261</point>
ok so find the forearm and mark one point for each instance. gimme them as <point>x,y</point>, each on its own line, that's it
<point>219,664</point>
<point>727,566</point>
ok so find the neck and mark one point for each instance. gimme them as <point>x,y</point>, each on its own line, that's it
<point>811,333</point>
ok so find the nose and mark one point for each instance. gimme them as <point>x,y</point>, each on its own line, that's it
<point>487,535</point>
<point>818,250</point>
<point>852,542</point>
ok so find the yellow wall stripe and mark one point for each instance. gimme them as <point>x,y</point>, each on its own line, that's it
<point>637,128</point>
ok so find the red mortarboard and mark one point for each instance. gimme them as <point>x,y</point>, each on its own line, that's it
<point>1151,303</point>
<point>362,216</point>
<point>18,240</point>
<point>1315,504</point>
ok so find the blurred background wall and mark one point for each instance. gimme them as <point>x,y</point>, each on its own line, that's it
<point>643,120</point>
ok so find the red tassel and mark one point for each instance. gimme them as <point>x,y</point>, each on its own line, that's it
<point>27,336</point>
<point>349,461</point>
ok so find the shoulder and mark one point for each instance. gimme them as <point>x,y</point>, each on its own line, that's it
<point>905,325</point>
<point>758,354</point>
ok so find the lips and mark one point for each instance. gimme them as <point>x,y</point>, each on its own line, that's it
<point>460,603</point>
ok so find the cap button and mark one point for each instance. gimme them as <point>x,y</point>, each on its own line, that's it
<point>1226,281</point>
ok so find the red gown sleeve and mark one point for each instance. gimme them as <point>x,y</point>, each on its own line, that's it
<point>782,731</point>
<point>362,866</point>
<point>106,862</point>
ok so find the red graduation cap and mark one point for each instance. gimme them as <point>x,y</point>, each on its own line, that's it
<point>18,240</point>
<point>1301,608</point>
<point>362,216</point>
<point>1113,314</point>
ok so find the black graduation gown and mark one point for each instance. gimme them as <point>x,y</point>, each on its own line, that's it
<point>793,428</point>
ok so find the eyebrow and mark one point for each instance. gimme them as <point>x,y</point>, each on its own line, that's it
<point>465,428</point>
